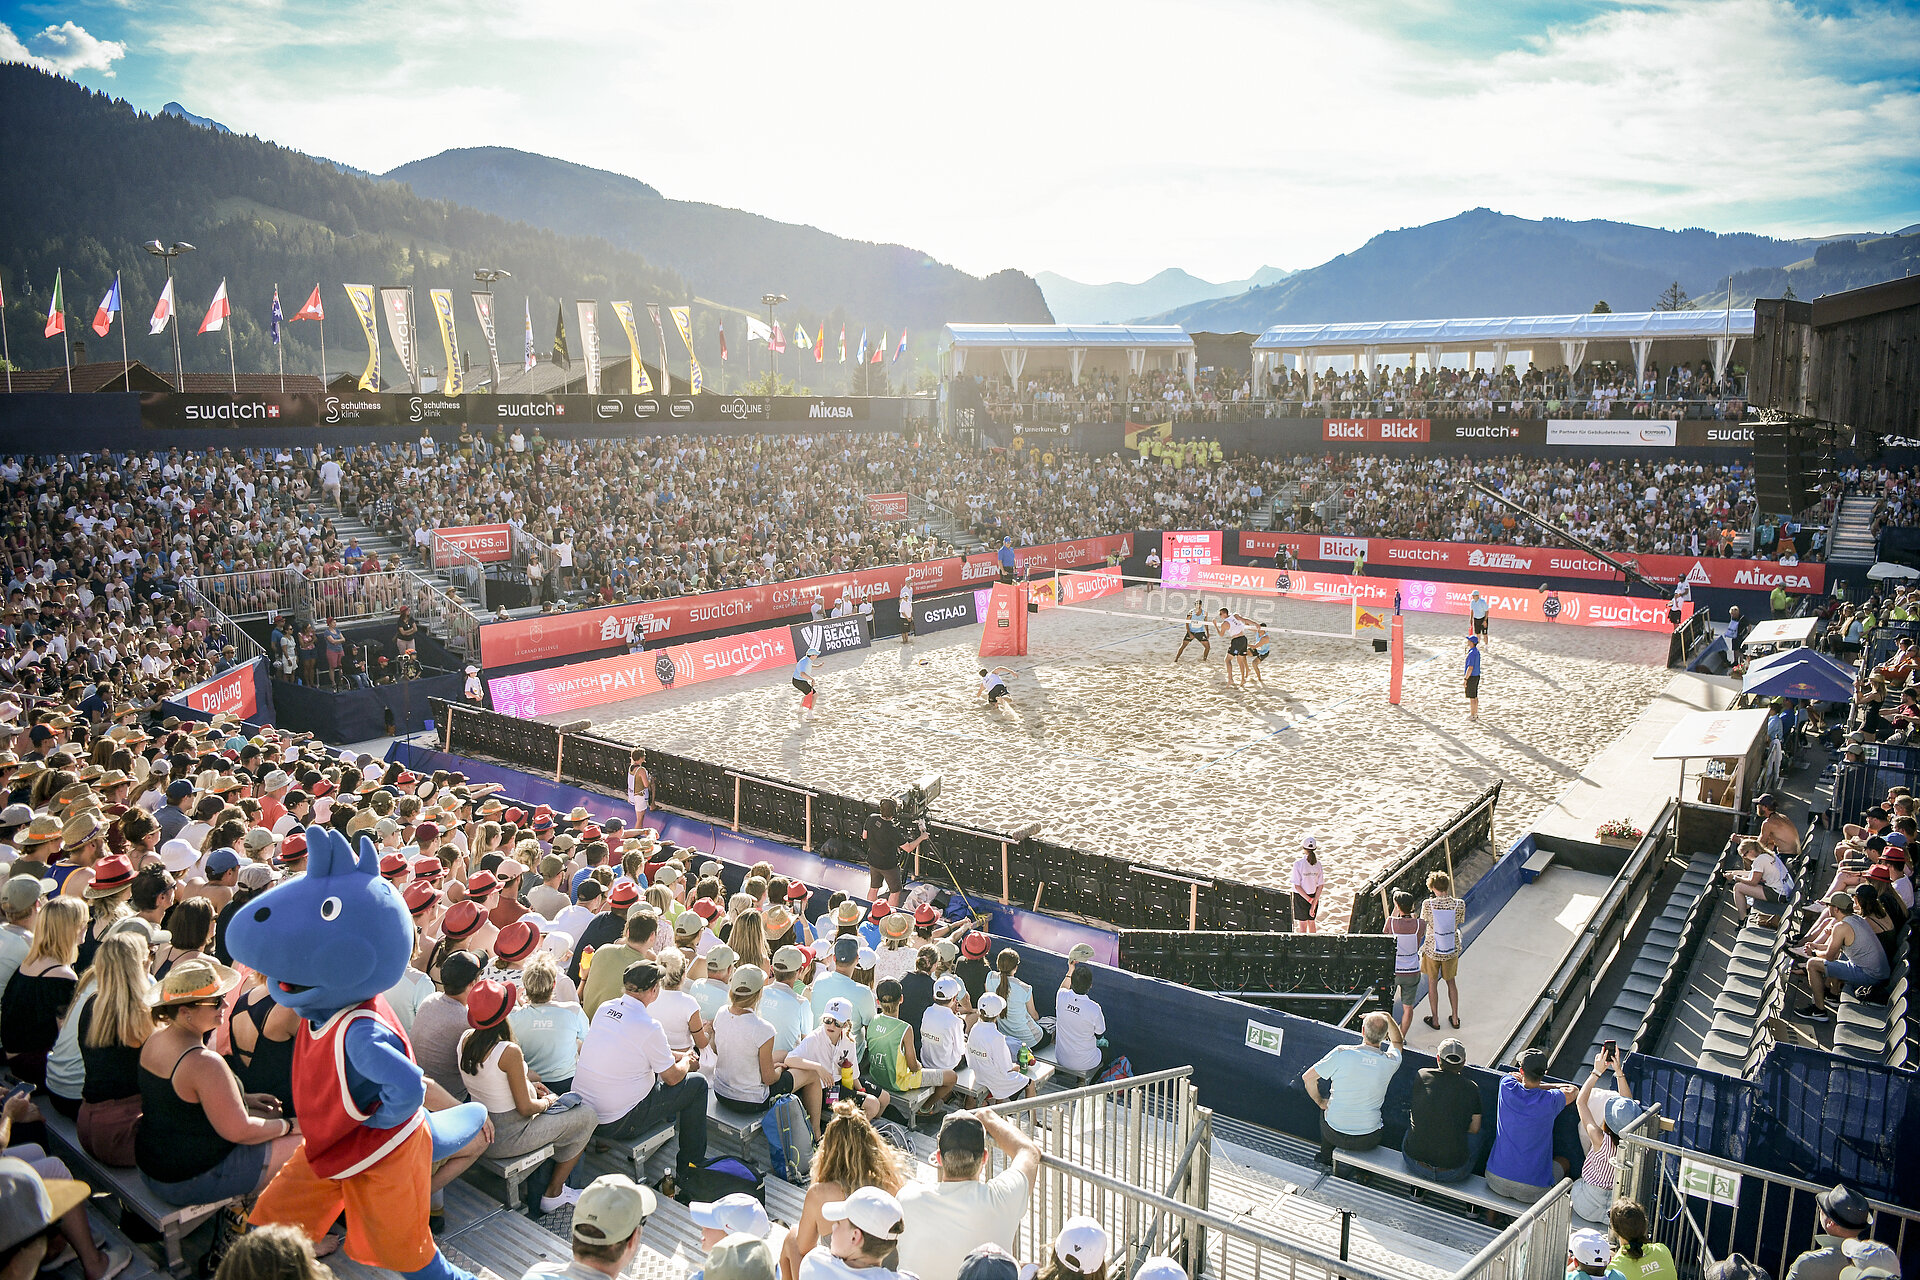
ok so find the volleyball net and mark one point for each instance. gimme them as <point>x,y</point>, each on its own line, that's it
<point>1156,600</point>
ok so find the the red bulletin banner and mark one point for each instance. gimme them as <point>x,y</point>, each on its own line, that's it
<point>592,684</point>
<point>488,543</point>
<point>1376,430</point>
<point>887,506</point>
<point>1570,608</point>
<point>231,693</point>
<point>563,635</point>
<point>1387,554</point>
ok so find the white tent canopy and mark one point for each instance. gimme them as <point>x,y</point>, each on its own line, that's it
<point>1072,348</point>
<point>1366,340</point>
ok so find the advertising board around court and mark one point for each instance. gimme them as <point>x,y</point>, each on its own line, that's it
<point>1415,595</point>
<point>231,692</point>
<point>887,506</point>
<point>1538,562</point>
<point>831,636</point>
<point>487,543</point>
<point>1198,546</point>
<point>634,675</point>
<point>942,613</point>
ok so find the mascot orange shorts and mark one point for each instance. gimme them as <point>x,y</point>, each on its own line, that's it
<point>393,1193</point>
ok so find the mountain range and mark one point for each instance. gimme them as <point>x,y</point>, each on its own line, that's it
<point>1483,263</point>
<point>1075,303</point>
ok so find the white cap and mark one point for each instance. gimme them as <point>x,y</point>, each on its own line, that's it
<point>872,1210</point>
<point>948,987</point>
<point>1081,1245</point>
<point>839,1009</point>
<point>738,1212</point>
<point>992,1005</point>
<point>865,959</point>
<point>1590,1248</point>
<point>1160,1269</point>
<point>176,855</point>
<point>1310,842</point>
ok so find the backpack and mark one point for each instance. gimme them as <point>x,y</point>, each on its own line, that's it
<point>1119,1069</point>
<point>789,1139</point>
<point>718,1177</point>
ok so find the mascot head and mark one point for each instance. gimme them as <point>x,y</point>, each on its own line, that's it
<point>328,939</point>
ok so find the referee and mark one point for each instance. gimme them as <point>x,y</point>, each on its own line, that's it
<point>1479,607</point>
<point>886,844</point>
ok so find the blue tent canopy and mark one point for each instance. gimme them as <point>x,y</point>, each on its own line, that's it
<point>1799,673</point>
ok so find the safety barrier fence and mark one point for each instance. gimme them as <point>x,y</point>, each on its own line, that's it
<point>451,565</point>
<point>1470,827</point>
<point>253,593</point>
<point>1293,969</point>
<point>1014,867</point>
<point>244,644</point>
<point>1705,1207</point>
<point>1534,1247</point>
<point>349,597</point>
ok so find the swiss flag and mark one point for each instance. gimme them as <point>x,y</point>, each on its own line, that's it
<point>313,310</point>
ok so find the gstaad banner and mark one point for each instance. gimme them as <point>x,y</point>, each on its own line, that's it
<point>1419,595</point>
<point>172,410</point>
<point>943,612</point>
<point>1388,554</point>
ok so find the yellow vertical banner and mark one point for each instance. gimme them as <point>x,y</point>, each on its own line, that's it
<point>361,295</point>
<point>638,381</point>
<point>455,381</point>
<point>683,321</point>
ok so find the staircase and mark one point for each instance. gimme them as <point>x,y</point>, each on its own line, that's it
<point>1853,540</point>
<point>945,526</point>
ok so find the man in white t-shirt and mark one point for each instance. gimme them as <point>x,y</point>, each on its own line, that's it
<point>330,481</point>
<point>949,1219</point>
<point>1079,1026</point>
<point>906,613</point>
<point>632,1079</point>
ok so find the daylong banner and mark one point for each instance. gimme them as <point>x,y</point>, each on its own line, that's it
<point>632,675</point>
<point>232,692</point>
<point>1421,596</point>
<point>1538,562</point>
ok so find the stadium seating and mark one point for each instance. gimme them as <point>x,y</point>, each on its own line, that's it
<point>1660,967</point>
<point>1871,1024</point>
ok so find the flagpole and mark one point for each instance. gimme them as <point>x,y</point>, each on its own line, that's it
<point>279,348</point>
<point>233,370</point>
<point>6,348</point>
<point>68,348</point>
<point>323,342</point>
<point>126,366</point>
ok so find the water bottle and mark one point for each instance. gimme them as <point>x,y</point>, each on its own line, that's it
<point>586,963</point>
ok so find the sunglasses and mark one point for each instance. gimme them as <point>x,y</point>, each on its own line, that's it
<point>198,1004</point>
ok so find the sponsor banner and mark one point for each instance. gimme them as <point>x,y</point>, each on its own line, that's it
<point>1043,593</point>
<point>830,636</point>
<point>396,304</point>
<point>962,609</point>
<point>638,380</point>
<point>1200,548</point>
<point>1053,555</point>
<point>562,635</point>
<point>196,409</point>
<point>442,302</point>
<point>373,409</point>
<point>1519,431</point>
<point>1697,434</point>
<point>1420,596</point>
<point>592,684</point>
<point>1376,430</point>
<point>1387,554</point>
<point>483,308</point>
<point>1091,585</point>
<point>887,506</point>
<point>231,693</point>
<point>367,307</point>
<point>1612,433</point>
<point>589,311</point>
<point>484,542</point>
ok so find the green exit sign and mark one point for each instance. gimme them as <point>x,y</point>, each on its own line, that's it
<point>1709,1183</point>
<point>1264,1038</point>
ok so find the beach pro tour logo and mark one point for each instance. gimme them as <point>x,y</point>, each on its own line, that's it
<point>832,635</point>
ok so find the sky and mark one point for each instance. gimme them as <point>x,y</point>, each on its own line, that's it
<point>1104,141</point>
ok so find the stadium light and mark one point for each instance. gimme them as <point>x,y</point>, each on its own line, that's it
<point>168,253</point>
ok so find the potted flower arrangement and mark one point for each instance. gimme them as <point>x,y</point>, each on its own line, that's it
<point>1620,833</point>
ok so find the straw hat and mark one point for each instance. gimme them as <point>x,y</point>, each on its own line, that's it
<point>779,920</point>
<point>44,829</point>
<point>80,829</point>
<point>196,979</point>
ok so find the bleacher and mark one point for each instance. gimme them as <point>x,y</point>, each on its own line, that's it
<point>1661,965</point>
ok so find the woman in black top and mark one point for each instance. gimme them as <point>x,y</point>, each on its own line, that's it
<point>262,1055</point>
<point>38,995</point>
<point>115,1020</point>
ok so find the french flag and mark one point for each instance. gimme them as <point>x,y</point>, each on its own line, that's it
<point>109,308</point>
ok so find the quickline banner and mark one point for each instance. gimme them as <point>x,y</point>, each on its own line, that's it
<point>364,306</point>
<point>638,383</point>
<point>442,299</point>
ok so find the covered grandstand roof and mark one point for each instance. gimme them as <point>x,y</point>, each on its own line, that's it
<point>1065,335</point>
<point>1510,331</point>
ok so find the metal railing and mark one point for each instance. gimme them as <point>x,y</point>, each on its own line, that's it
<point>456,567</point>
<point>350,596</point>
<point>1705,1208</point>
<point>1534,1247</point>
<point>1135,1155</point>
<point>441,609</point>
<point>253,593</point>
<point>243,644</point>
<point>1652,408</point>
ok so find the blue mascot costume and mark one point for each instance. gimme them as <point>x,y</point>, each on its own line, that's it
<point>330,943</point>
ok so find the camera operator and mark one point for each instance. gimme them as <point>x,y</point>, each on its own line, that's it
<point>888,840</point>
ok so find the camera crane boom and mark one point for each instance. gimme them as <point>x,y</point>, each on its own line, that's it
<point>1631,574</point>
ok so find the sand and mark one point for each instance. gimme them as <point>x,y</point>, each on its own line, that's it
<point>1113,748</point>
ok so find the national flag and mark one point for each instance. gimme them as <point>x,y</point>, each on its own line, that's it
<point>531,358</point>
<point>313,310</point>
<point>109,308</point>
<point>217,311</point>
<point>560,353</point>
<point>57,309</point>
<point>881,349</point>
<point>723,340</point>
<point>800,340</point>
<point>820,345</point>
<point>860,356</point>
<point>274,327</point>
<point>757,332</point>
<point>843,344</point>
<point>902,348</point>
<point>778,342</point>
<point>162,311</point>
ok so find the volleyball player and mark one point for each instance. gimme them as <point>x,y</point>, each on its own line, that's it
<point>1197,629</point>
<point>1234,628</point>
<point>803,681</point>
<point>993,687</point>
<point>1262,650</point>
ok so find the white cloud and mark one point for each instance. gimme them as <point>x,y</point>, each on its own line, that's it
<point>64,50</point>
<point>1107,140</point>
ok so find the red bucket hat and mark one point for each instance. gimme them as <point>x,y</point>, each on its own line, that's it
<point>489,1003</point>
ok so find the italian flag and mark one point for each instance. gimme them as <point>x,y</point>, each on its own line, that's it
<point>57,309</point>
